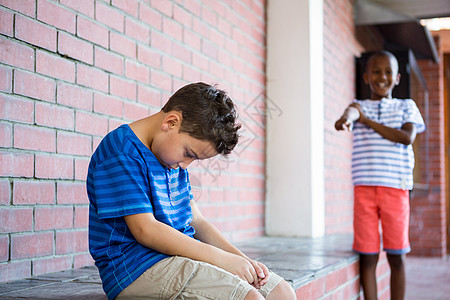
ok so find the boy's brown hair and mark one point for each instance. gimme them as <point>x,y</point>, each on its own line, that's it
<point>208,114</point>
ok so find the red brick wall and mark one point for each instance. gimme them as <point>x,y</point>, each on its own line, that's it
<point>71,71</point>
<point>340,49</point>
<point>428,221</point>
<point>344,283</point>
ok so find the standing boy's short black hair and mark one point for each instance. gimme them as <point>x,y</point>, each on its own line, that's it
<point>207,114</point>
<point>378,54</point>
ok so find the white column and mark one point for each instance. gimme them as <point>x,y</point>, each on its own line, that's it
<point>295,137</point>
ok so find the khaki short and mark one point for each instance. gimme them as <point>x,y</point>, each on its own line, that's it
<point>183,278</point>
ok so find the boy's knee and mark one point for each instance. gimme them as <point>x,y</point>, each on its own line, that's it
<point>253,295</point>
<point>395,261</point>
<point>282,291</point>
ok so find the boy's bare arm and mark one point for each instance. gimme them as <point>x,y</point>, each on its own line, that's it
<point>350,115</point>
<point>156,235</point>
<point>405,135</point>
<point>208,233</point>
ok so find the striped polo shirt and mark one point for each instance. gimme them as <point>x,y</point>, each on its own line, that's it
<point>125,178</point>
<point>377,161</point>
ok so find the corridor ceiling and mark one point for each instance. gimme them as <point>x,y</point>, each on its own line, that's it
<point>398,22</point>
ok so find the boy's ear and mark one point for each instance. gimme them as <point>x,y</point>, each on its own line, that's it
<point>366,79</point>
<point>171,121</point>
<point>398,79</point>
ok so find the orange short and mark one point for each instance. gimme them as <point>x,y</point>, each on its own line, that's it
<point>391,206</point>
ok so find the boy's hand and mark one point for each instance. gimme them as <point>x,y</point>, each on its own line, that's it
<point>262,272</point>
<point>239,266</point>
<point>362,116</point>
<point>344,123</point>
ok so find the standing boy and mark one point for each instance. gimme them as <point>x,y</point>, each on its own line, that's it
<point>382,168</point>
<point>146,234</point>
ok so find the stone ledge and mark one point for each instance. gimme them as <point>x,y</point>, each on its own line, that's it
<point>312,266</point>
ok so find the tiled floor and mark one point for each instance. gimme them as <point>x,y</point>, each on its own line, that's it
<point>427,278</point>
<point>297,260</point>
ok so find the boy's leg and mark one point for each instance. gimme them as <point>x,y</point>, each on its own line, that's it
<point>366,238</point>
<point>189,279</point>
<point>398,277</point>
<point>394,215</point>
<point>367,267</point>
<point>282,291</point>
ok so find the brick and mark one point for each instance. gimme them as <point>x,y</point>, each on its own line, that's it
<point>71,46</point>
<point>5,79</point>
<point>128,6</point>
<point>193,6</point>
<point>134,111</point>
<point>137,31</point>
<point>49,265</point>
<point>16,109</point>
<point>55,167</point>
<point>137,71</point>
<point>33,192</point>
<point>190,74</point>
<point>92,32</point>
<point>16,54</point>
<point>109,16</point>
<point>82,260</point>
<point>34,86</point>
<point>54,116</point>
<point>85,7</point>
<point>81,217</point>
<point>148,95</point>
<point>34,138</point>
<point>182,16</point>
<point>35,33</point>
<point>108,105</point>
<point>73,143</point>
<point>92,78</point>
<point>148,56</point>
<point>123,45</point>
<point>91,123</point>
<point>4,248</point>
<point>31,245</point>
<point>55,15</point>
<point>6,23</point>
<point>16,220</point>
<point>55,217</point>
<point>27,7</point>
<point>15,270</point>
<point>150,16</point>
<point>81,166</point>
<point>5,192</point>
<point>123,88</point>
<point>109,61</point>
<point>160,42</point>
<point>16,164</point>
<point>182,52</point>
<point>71,193</point>
<point>172,29</point>
<point>68,242</point>
<point>172,66</point>
<point>201,28</point>
<point>161,80</point>
<point>5,135</point>
<point>74,96</point>
<point>164,7</point>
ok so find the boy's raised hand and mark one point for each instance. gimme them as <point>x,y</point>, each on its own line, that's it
<point>344,123</point>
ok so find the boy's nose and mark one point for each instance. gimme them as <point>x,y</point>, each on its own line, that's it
<point>185,163</point>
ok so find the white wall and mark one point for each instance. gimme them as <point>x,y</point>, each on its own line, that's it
<point>295,137</point>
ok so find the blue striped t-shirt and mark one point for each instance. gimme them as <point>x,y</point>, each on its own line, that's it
<point>377,161</point>
<point>125,178</point>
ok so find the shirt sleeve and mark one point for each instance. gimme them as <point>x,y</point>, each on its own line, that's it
<point>411,114</point>
<point>121,187</point>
